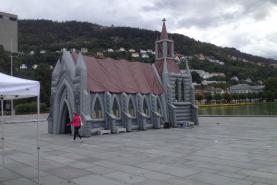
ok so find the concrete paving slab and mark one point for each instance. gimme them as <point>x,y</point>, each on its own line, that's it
<point>125,177</point>
<point>240,150</point>
<point>96,179</point>
<point>69,172</point>
<point>20,181</point>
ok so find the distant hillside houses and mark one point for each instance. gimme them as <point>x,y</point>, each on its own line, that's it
<point>234,58</point>
<point>23,67</point>
<point>245,88</point>
<point>142,53</point>
<point>213,90</point>
<point>235,78</point>
<point>205,75</point>
<point>209,82</point>
<point>211,59</point>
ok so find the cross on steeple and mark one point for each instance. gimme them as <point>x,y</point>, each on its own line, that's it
<point>164,47</point>
<point>164,32</point>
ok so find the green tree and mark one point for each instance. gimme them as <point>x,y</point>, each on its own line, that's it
<point>271,84</point>
<point>235,96</point>
<point>227,97</point>
<point>4,61</point>
<point>199,97</point>
<point>242,96</point>
<point>43,75</point>
<point>208,97</point>
<point>196,77</point>
<point>217,97</point>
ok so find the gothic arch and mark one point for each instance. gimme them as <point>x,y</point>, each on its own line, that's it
<point>116,109</point>
<point>97,108</point>
<point>176,89</point>
<point>131,106</point>
<point>145,106</point>
<point>159,107</point>
<point>64,97</point>
<point>183,90</point>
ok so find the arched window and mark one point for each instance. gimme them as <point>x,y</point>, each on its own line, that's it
<point>115,108</point>
<point>169,45</point>
<point>176,90</point>
<point>159,106</point>
<point>160,50</point>
<point>97,109</point>
<point>182,91</point>
<point>145,107</point>
<point>131,108</point>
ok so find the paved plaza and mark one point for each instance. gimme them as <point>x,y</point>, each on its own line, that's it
<point>221,151</point>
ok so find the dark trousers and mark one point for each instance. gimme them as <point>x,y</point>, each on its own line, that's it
<point>76,133</point>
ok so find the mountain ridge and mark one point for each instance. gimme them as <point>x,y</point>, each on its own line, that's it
<point>50,35</point>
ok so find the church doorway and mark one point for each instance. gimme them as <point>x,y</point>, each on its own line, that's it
<point>65,118</point>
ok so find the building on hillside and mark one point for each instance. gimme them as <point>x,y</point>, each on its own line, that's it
<point>99,55</point>
<point>217,75</point>
<point>84,50</point>
<point>135,55</point>
<point>119,95</point>
<point>208,82</point>
<point>121,49</point>
<point>141,51</point>
<point>245,88</point>
<point>235,78</point>
<point>9,32</point>
<point>213,90</point>
<point>144,55</point>
<point>23,67</point>
<point>132,51</point>
<point>110,50</point>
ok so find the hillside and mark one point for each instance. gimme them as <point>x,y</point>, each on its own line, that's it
<point>48,35</point>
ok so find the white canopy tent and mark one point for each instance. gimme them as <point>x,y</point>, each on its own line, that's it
<point>17,88</point>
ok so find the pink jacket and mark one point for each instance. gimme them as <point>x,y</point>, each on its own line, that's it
<point>76,121</point>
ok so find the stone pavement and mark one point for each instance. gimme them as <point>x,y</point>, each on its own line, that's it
<point>221,151</point>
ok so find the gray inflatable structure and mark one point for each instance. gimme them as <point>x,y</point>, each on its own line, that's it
<point>115,112</point>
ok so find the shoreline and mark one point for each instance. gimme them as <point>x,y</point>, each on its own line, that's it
<point>202,106</point>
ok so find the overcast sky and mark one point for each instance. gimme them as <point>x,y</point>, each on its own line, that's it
<point>248,25</point>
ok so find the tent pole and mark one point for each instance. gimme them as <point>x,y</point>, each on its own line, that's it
<point>2,137</point>
<point>38,138</point>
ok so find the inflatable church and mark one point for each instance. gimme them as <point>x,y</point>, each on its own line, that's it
<point>115,96</point>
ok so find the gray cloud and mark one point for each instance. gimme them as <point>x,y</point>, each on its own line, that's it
<point>244,24</point>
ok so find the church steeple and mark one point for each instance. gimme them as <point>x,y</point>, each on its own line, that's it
<point>164,34</point>
<point>164,47</point>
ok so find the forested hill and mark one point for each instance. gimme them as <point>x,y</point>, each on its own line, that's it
<point>49,35</point>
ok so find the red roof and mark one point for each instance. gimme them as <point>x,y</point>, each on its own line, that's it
<point>171,66</point>
<point>121,76</point>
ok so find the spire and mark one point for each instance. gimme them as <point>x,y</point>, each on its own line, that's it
<point>164,32</point>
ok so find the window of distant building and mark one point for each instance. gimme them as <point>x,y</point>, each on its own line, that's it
<point>12,18</point>
<point>1,16</point>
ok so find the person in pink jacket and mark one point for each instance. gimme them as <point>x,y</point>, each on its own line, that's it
<point>76,122</point>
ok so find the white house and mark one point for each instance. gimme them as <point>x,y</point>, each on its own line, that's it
<point>135,55</point>
<point>23,66</point>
